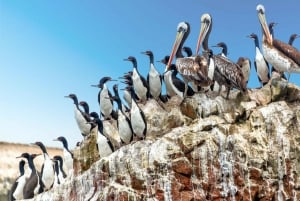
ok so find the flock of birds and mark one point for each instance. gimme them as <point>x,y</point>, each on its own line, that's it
<point>206,72</point>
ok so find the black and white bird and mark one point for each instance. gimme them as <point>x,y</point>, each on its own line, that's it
<point>104,145</point>
<point>104,98</point>
<point>292,38</point>
<point>174,85</point>
<point>223,46</point>
<point>47,171</point>
<point>16,191</point>
<point>60,174</point>
<point>137,118</point>
<point>188,51</point>
<point>33,185</point>
<point>125,109</point>
<point>153,78</point>
<point>139,83</point>
<point>67,155</point>
<point>123,123</point>
<point>260,63</point>
<point>80,116</point>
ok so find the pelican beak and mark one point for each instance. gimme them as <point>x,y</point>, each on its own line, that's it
<point>264,24</point>
<point>203,31</point>
<point>176,44</point>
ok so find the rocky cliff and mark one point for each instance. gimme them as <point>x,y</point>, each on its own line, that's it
<point>204,148</point>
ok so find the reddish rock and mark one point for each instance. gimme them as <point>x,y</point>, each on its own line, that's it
<point>182,166</point>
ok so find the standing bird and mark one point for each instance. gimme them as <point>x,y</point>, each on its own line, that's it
<point>188,51</point>
<point>104,95</point>
<point>123,123</point>
<point>260,63</point>
<point>67,154</point>
<point>81,117</point>
<point>47,171</point>
<point>226,72</point>
<point>284,57</point>
<point>104,145</point>
<point>116,93</point>
<point>33,185</point>
<point>16,191</point>
<point>59,171</point>
<point>139,83</point>
<point>192,69</point>
<point>174,85</point>
<point>153,77</point>
<point>292,38</point>
<point>245,65</point>
<point>224,48</point>
<point>137,118</point>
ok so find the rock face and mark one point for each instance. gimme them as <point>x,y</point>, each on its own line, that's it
<point>205,148</point>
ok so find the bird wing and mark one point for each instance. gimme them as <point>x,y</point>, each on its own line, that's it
<point>287,50</point>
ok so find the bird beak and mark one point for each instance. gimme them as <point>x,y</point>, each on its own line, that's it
<point>67,96</point>
<point>94,85</point>
<point>264,25</point>
<point>203,31</point>
<point>177,41</point>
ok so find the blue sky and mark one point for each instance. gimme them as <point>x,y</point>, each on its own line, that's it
<point>49,49</point>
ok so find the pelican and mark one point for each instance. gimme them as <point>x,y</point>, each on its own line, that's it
<point>224,71</point>
<point>192,69</point>
<point>284,57</point>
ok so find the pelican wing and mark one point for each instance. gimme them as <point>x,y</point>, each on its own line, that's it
<point>287,50</point>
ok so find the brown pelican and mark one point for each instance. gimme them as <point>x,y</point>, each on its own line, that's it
<point>225,72</point>
<point>292,38</point>
<point>260,64</point>
<point>284,57</point>
<point>192,69</point>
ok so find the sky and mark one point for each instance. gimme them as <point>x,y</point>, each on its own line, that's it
<point>49,49</point>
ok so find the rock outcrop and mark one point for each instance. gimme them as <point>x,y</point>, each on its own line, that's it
<point>203,148</point>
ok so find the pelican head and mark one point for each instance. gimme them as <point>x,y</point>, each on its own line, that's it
<point>183,30</point>
<point>206,24</point>
<point>263,22</point>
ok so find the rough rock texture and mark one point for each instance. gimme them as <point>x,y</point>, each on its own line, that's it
<point>205,148</point>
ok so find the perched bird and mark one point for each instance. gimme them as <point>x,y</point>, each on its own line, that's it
<point>225,72</point>
<point>123,123</point>
<point>224,48</point>
<point>188,51</point>
<point>192,69</point>
<point>16,191</point>
<point>33,185</point>
<point>292,38</point>
<point>67,155</point>
<point>85,107</point>
<point>174,85</point>
<point>283,57</point>
<point>81,117</point>
<point>245,65</point>
<point>260,64</point>
<point>104,145</point>
<point>47,171</point>
<point>153,78</point>
<point>104,95</point>
<point>116,93</point>
<point>137,118</point>
<point>139,83</point>
<point>60,174</point>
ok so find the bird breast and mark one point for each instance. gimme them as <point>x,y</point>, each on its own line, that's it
<point>137,121</point>
<point>103,146</point>
<point>139,88</point>
<point>105,102</point>
<point>124,128</point>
